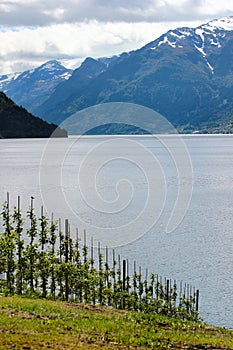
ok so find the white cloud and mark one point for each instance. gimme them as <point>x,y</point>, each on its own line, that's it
<point>33,31</point>
<point>44,12</point>
<point>217,8</point>
<point>29,47</point>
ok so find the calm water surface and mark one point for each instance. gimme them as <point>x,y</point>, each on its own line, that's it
<point>199,251</point>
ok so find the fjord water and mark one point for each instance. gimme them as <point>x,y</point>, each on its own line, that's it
<point>199,251</point>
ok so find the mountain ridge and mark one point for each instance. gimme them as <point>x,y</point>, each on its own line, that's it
<point>181,74</point>
<point>186,75</point>
<point>25,87</point>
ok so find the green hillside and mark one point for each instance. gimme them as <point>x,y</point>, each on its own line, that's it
<point>17,122</point>
<point>27,323</point>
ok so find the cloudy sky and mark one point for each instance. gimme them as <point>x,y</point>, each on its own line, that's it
<point>35,31</point>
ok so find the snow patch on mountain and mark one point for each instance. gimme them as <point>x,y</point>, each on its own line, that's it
<point>166,41</point>
<point>210,67</point>
<point>66,75</point>
<point>6,79</point>
<point>211,33</point>
<point>181,36</point>
<point>225,23</point>
<point>200,31</point>
<point>215,43</point>
<point>200,49</point>
<point>51,66</point>
<point>185,31</point>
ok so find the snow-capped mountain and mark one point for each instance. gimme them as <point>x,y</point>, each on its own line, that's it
<point>186,75</point>
<point>211,33</point>
<point>207,39</point>
<point>80,79</point>
<point>32,87</point>
<point>6,79</point>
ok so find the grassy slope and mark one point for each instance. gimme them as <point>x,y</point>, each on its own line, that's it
<point>42,324</point>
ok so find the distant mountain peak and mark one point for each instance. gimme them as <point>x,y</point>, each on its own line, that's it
<point>90,66</point>
<point>51,63</point>
<point>32,87</point>
<point>89,59</point>
<point>51,66</point>
<point>224,23</point>
<point>209,34</point>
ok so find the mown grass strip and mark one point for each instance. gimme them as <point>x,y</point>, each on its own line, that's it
<point>27,323</point>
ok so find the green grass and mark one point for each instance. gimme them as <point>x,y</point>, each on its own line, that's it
<point>27,323</point>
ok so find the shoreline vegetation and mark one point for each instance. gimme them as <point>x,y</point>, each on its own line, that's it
<point>55,292</point>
